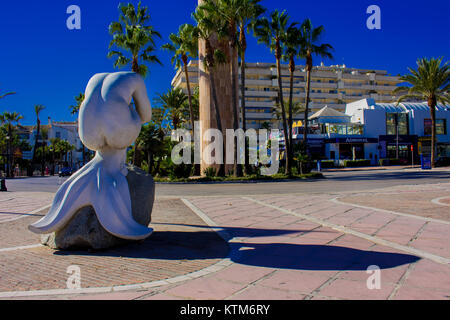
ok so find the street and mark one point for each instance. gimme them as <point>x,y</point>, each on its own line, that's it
<point>335,181</point>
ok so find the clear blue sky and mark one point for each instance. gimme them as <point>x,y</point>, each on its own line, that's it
<point>48,64</point>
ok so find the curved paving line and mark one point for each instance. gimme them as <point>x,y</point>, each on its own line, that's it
<point>438,201</point>
<point>411,250</point>
<point>158,283</point>
<point>335,200</point>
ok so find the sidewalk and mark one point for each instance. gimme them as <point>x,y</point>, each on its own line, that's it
<point>281,247</point>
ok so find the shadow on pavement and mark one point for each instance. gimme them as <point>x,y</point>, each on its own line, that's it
<point>199,245</point>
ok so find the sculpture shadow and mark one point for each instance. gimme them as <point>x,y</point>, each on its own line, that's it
<point>184,245</point>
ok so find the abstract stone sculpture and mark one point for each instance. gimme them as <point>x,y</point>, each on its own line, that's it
<point>108,125</point>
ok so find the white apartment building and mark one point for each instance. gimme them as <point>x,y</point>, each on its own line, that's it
<point>65,131</point>
<point>334,86</point>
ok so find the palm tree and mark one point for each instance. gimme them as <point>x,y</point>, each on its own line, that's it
<point>292,46</point>
<point>228,11</point>
<point>430,82</point>
<point>309,47</point>
<point>207,27</point>
<point>184,46</point>
<point>173,101</point>
<point>37,109</point>
<point>132,33</point>
<point>273,34</point>
<point>74,109</point>
<point>9,118</point>
<point>249,13</point>
<point>150,140</point>
<point>3,95</point>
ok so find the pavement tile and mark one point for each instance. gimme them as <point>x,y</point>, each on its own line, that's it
<point>407,292</point>
<point>294,280</point>
<point>206,288</point>
<point>257,292</point>
<point>356,290</point>
<point>243,274</point>
<point>429,274</point>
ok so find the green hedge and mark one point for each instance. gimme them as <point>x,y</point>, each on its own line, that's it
<point>325,164</point>
<point>356,163</point>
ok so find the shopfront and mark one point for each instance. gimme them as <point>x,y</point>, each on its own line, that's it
<point>351,148</point>
<point>406,146</point>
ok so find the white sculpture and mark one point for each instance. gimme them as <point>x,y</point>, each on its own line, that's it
<point>108,125</point>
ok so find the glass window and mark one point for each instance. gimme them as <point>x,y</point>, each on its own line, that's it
<point>392,119</point>
<point>441,126</point>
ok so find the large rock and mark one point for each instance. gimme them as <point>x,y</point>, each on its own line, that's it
<point>84,231</point>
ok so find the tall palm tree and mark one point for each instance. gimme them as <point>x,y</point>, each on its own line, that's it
<point>292,47</point>
<point>132,33</point>
<point>173,101</point>
<point>9,118</point>
<point>309,37</point>
<point>228,11</point>
<point>37,109</point>
<point>184,46</point>
<point>207,27</point>
<point>273,33</point>
<point>250,11</point>
<point>430,82</point>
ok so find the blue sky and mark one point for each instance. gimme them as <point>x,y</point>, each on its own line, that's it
<point>48,64</point>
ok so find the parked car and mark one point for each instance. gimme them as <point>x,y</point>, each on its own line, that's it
<point>66,171</point>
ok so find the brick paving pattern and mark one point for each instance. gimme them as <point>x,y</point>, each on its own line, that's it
<point>171,251</point>
<point>294,247</point>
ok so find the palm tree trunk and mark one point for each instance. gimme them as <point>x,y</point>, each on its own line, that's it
<point>234,82</point>
<point>188,85</point>
<point>36,142</point>
<point>218,118</point>
<point>150,162</point>
<point>283,113</point>
<point>432,104</point>
<point>244,117</point>
<point>191,109</point>
<point>291,143</point>
<point>305,125</point>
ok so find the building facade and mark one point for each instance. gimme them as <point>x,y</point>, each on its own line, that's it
<point>334,86</point>
<point>374,131</point>
<point>67,131</point>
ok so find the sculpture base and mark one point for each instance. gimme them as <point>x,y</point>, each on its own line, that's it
<point>84,231</point>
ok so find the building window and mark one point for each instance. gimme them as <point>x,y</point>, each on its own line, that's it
<point>441,126</point>
<point>392,119</point>
<point>58,134</point>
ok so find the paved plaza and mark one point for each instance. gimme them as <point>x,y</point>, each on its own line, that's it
<point>295,245</point>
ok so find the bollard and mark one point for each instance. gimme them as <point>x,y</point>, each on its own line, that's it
<point>3,185</point>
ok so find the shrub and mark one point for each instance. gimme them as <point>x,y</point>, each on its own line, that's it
<point>210,172</point>
<point>356,163</point>
<point>325,164</point>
